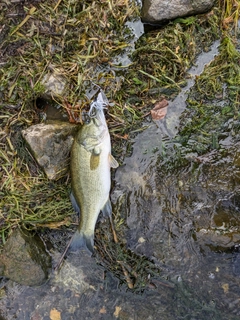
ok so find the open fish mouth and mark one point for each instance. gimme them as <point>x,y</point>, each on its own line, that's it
<point>96,110</point>
<point>97,106</point>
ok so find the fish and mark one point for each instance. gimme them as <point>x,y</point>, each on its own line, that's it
<point>90,164</point>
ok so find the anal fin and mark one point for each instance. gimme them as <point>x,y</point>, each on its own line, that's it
<point>107,209</point>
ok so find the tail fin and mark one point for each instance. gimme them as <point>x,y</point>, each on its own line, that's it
<point>82,241</point>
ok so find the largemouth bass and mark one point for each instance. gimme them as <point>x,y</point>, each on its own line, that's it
<point>90,165</point>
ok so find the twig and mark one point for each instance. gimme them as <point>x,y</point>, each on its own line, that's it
<point>128,279</point>
<point>30,12</point>
<point>113,230</point>
<point>63,255</point>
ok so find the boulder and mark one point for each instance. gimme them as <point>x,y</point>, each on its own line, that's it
<point>50,145</point>
<point>24,259</point>
<point>160,11</point>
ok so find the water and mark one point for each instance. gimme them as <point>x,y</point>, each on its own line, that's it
<point>137,30</point>
<point>169,127</point>
<point>188,221</point>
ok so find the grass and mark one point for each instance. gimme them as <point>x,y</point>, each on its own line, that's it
<point>80,41</point>
<point>212,102</point>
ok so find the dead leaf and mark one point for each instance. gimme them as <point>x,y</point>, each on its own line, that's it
<point>117,311</point>
<point>225,287</point>
<point>226,22</point>
<point>103,310</point>
<point>177,49</point>
<point>55,314</point>
<point>125,137</point>
<point>160,110</point>
<point>54,225</point>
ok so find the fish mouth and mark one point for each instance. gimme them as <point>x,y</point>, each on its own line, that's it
<point>97,107</point>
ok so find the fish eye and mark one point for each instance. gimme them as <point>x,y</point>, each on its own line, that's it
<point>86,118</point>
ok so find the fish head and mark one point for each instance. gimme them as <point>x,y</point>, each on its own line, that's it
<point>93,126</point>
<point>94,129</point>
<point>95,118</point>
<point>96,111</point>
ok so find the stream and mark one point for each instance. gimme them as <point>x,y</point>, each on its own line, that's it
<point>187,221</point>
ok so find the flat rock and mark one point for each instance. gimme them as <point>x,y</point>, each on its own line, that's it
<point>24,259</point>
<point>50,145</point>
<point>160,11</point>
<point>80,272</point>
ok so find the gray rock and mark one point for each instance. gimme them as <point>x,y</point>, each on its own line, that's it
<point>50,144</point>
<point>159,11</point>
<point>25,259</point>
<point>54,84</point>
<point>80,272</point>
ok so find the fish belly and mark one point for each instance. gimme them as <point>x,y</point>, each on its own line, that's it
<point>90,187</point>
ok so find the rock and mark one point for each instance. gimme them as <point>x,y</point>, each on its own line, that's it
<point>25,259</point>
<point>160,11</point>
<point>50,144</point>
<point>80,272</point>
<point>217,240</point>
<point>54,84</point>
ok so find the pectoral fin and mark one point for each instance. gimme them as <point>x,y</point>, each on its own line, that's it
<point>95,158</point>
<point>94,161</point>
<point>113,162</point>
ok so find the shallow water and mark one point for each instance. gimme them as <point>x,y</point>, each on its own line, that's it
<point>137,30</point>
<point>169,126</point>
<point>188,221</point>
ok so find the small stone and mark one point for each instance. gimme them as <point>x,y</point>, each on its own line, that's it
<point>211,275</point>
<point>54,84</point>
<point>141,240</point>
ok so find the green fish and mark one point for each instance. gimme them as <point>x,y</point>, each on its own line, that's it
<point>90,165</point>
